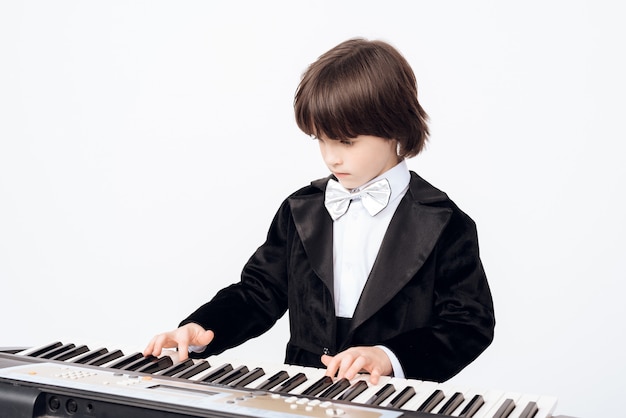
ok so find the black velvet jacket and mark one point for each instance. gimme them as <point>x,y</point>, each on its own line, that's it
<point>427,298</point>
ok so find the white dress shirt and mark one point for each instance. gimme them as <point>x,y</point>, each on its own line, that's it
<point>357,237</point>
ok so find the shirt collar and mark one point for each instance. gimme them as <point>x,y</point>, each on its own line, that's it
<point>398,177</point>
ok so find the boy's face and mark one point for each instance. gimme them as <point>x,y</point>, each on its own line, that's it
<point>356,161</point>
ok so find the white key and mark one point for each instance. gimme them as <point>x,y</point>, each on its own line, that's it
<point>489,397</point>
<point>449,391</point>
<point>400,384</point>
<point>489,409</point>
<point>371,389</point>
<point>545,405</point>
<point>424,389</point>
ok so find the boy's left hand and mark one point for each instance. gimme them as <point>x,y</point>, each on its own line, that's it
<point>354,360</point>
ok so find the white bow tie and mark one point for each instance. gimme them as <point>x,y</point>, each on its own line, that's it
<point>374,197</point>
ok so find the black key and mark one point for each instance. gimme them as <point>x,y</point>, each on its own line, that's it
<point>248,378</point>
<point>105,358</point>
<point>175,368</point>
<point>530,410</point>
<point>90,355</point>
<point>157,365</point>
<point>232,375</point>
<point>44,349</point>
<point>402,397</point>
<point>382,394</point>
<point>338,387</point>
<point>291,383</point>
<point>126,360</point>
<point>274,380</point>
<point>472,406</point>
<point>432,401</point>
<point>138,363</point>
<point>354,391</point>
<point>318,386</point>
<point>452,404</point>
<point>81,349</point>
<point>217,373</point>
<point>505,409</point>
<point>57,351</point>
<point>200,366</point>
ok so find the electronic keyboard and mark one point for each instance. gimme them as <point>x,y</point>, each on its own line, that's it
<point>70,380</point>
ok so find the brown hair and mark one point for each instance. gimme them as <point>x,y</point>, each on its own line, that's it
<point>362,87</point>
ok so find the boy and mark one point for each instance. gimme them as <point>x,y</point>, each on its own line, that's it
<point>388,280</point>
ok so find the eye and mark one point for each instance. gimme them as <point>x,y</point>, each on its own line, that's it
<point>347,142</point>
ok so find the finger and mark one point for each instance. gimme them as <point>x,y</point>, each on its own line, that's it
<point>149,348</point>
<point>332,365</point>
<point>160,342</point>
<point>374,376</point>
<point>354,367</point>
<point>155,346</point>
<point>183,351</point>
<point>344,366</point>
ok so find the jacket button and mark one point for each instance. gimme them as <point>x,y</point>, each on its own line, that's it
<point>326,351</point>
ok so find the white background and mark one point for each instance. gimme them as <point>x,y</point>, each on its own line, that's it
<point>123,124</point>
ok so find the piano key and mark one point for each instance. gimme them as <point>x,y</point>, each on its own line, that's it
<point>382,394</point>
<point>400,384</point>
<point>474,404</point>
<point>505,409</point>
<point>403,397</point>
<point>89,355</point>
<point>138,363</point>
<point>529,404</point>
<point>336,388</point>
<point>353,391</point>
<point>423,389</point>
<point>323,383</point>
<point>371,389</point>
<point>530,410</point>
<point>432,401</point>
<point>547,406</point>
<point>451,403</point>
<point>252,376</point>
<point>234,374</point>
<point>157,365</point>
<point>291,383</point>
<point>105,358</point>
<point>68,354</point>
<point>312,375</point>
<point>124,361</point>
<point>216,373</point>
<point>37,351</point>
<point>175,368</point>
<point>492,406</point>
<point>57,351</point>
<point>193,370</point>
<point>273,380</point>
<point>455,396</point>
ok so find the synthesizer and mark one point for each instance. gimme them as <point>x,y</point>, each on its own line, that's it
<point>69,380</point>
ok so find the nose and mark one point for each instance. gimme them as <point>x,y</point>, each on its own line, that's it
<point>330,153</point>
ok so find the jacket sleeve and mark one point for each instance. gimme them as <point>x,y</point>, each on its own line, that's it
<point>462,322</point>
<point>250,307</point>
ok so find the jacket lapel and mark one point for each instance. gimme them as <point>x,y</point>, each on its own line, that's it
<point>409,240</point>
<point>315,228</point>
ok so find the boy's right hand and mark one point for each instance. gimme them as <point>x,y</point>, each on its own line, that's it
<point>180,338</point>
